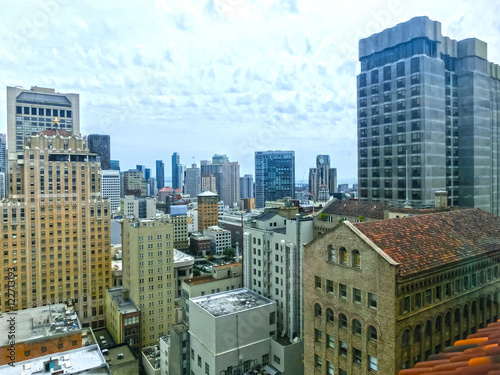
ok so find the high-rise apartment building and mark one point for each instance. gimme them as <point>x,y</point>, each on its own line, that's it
<point>322,176</point>
<point>160,174</point>
<point>192,182</point>
<point>208,210</point>
<point>426,110</point>
<point>110,187</point>
<point>37,109</point>
<point>208,183</point>
<point>177,171</point>
<point>148,274</point>
<point>246,186</point>
<point>134,183</point>
<point>56,227</point>
<point>274,176</point>
<point>101,145</point>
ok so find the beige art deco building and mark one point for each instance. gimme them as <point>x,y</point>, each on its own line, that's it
<point>55,228</point>
<point>148,274</point>
<point>381,296</point>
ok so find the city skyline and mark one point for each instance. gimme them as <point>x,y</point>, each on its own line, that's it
<point>252,83</point>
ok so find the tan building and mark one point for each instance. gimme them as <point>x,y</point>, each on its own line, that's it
<point>382,296</point>
<point>208,183</point>
<point>134,183</point>
<point>148,274</point>
<point>56,228</point>
<point>180,223</point>
<point>208,210</point>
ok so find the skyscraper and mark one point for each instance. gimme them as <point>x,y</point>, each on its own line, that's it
<point>177,171</point>
<point>110,188</point>
<point>100,144</point>
<point>160,174</point>
<point>208,210</point>
<point>192,182</point>
<point>319,176</point>
<point>134,183</point>
<point>246,186</point>
<point>426,110</point>
<point>274,176</point>
<point>3,165</point>
<point>115,165</point>
<point>229,186</point>
<point>37,109</point>
<point>58,188</point>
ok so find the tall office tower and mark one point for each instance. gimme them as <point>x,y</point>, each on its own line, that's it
<point>246,186</point>
<point>57,211</point>
<point>3,189</point>
<point>208,210</point>
<point>208,183</point>
<point>332,184</point>
<point>110,188</point>
<point>115,165</point>
<point>101,145</point>
<point>148,272</point>
<point>151,186</point>
<point>160,174</point>
<point>3,164</point>
<point>147,173</point>
<point>37,109</point>
<point>219,158</point>
<point>229,190</point>
<point>322,176</point>
<point>177,171</point>
<point>274,176</point>
<point>426,110</point>
<point>192,182</point>
<point>134,183</point>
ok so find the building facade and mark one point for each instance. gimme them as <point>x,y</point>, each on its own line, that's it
<point>57,227</point>
<point>177,171</point>
<point>134,183</point>
<point>208,183</point>
<point>381,296</point>
<point>110,188</point>
<point>427,110</point>
<point>192,182</point>
<point>140,208</point>
<point>246,186</point>
<point>274,176</point>
<point>322,176</point>
<point>100,144</point>
<point>220,238</point>
<point>208,210</point>
<point>148,274</point>
<point>160,174</point>
<point>32,111</point>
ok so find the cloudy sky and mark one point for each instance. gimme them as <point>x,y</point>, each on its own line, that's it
<point>215,76</point>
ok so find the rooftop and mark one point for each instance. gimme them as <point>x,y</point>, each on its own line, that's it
<point>207,194</point>
<point>230,302</point>
<point>54,132</point>
<point>179,256</point>
<point>372,210</point>
<point>231,265</point>
<point>119,354</point>
<point>41,322</point>
<point>86,360</point>
<point>420,243</point>
<point>124,303</point>
<point>103,338</point>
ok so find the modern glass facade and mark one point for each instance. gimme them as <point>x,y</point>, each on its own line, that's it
<point>100,144</point>
<point>274,176</point>
<point>160,174</point>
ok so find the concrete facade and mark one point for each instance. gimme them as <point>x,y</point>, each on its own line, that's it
<point>110,188</point>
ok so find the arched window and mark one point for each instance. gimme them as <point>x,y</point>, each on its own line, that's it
<point>438,324</point>
<point>372,333</point>
<point>356,259</point>
<point>473,309</point>
<point>356,327</point>
<point>342,321</point>
<point>481,304</point>
<point>466,312</point>
<point>428,329</point>
<point>488,301</point>
<point>343,255</point>
<point>332,255</point>
<point>457,315</point>
<point>417,334</point>
<point>406,339</point>
<point>447,319</point>
<point>317,310</point>
<point>329,316</point>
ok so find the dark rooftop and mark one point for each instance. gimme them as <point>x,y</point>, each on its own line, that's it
<point>371,210</point>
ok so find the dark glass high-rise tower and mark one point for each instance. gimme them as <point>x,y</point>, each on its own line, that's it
<point>100,144</point>
<point>274,176</point>
<point>160,174</point>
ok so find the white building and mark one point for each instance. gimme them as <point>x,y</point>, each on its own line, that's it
<point>273,268</point>
<point>221,238</point>
<point>183,269</point>
<point>140,208</point>
<point>231,331</point>
<point>110,188</point>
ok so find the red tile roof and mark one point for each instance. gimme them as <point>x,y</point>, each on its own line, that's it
<point>53,132</point>
<point>478,354</point>
<point>423,242</point>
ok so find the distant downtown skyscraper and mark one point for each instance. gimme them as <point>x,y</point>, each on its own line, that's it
<point>246,186</point>
<point>115,165</point>
<point>274,176</point>
<point>322,175</point>
<point>192,182</point>
<point>427,118</point>
<point>100,144</point>
<point>37,109</point>
<point>160,174</point>
<point>177,171</point>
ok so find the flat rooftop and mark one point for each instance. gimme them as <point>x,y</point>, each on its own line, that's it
<point>41,322</point>
<point>120,354</point>
<point>179,256</point>
<point>230,302</point>
<point>86,360</point>
<point>125,305</point>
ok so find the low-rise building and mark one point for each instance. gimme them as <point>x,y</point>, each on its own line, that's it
<point>183,269</point>
<point>199,244</point>
<point>138,207</point>
<point>174,351</point>
<point>384,295</point>
<point>122,360</point>
<point>220,238</point>
<point>151,360</point>
<point>37,332</point>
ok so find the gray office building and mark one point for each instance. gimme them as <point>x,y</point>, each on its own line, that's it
<point>274,176</point>
<point>100,144</point>
<point>428,118</point>
<point>32,111</point>
<point>246,186</point>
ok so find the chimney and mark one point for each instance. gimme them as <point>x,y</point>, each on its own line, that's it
<point>441,199</point>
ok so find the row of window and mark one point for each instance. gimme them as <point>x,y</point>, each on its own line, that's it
<point>342,257</point>
<point>33,111</point>
<point>356,359</point>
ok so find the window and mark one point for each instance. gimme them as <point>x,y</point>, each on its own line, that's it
<point>417,334</point>
<point>199,361</point>
<point>372,300</point>
<point>207,368</point>
<point>330,341</point>
<point>343,290</point>
<point>330,369</point>
<point>372,363</point>
<point>406,304</point>
<point>318,361</point>
<point>317,282</point>
<point>372,333</point>
<point>418,300</point>
<point>343,348</point>
<point>438,324</point>
<point>356,259</point>
<point>356,356</point>
<point>276,359</point>
<point>405,341</point>
<point>343,255</point>
<point>356,327</point>
<point>329,316</point>
<point>317,310</point>
<point>329,286</point>
<point>356,295</point>
<point>342,321</point>
<point>318,335</point>
<point>331,253</point>
<point>428,296</point>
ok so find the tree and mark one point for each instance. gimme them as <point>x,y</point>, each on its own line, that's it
<point>229,253</point>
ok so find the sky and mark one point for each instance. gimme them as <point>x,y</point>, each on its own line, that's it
<point>200,77</point>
